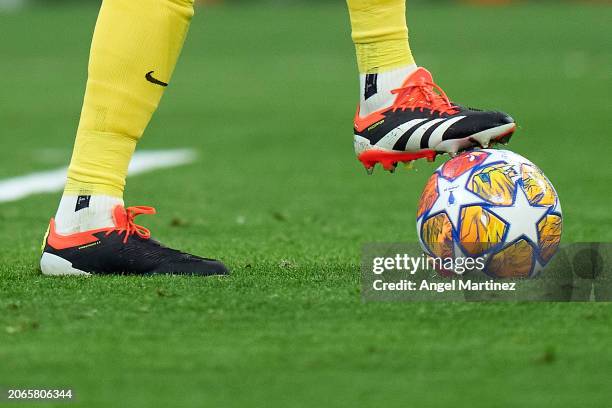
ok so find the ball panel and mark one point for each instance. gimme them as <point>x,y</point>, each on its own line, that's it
<point>514,261</point>
<point>549,231</point>
<point>462,163</point>
<point>480,230</point>
<point>437,235</point>
<point>494,183</point>
<point>537,187</point>
<point>429,196</point>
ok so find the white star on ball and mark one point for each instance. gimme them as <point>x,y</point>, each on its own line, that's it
<point>522,217</point>
<point>453,196</point>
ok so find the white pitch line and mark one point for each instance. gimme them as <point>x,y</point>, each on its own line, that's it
<point>16,188</point>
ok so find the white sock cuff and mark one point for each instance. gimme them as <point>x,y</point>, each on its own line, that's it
<point>83,213</point>
<point>384,83</point>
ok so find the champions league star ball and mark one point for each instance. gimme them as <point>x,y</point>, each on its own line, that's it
<point>492,204</point>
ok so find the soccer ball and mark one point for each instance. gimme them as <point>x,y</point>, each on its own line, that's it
<point>492,204</point>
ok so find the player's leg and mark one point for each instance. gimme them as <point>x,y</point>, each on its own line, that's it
<point>134,50</point>
<point>402,114</point>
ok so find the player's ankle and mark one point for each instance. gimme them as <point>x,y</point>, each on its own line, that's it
<point>375,89</point>
<point>78,213</point>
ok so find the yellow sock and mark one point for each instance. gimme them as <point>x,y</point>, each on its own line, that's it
<point>131,39</point>
<point>380,34</point>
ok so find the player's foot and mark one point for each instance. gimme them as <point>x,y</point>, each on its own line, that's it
<point>125,249</point>
<point>421,123</point>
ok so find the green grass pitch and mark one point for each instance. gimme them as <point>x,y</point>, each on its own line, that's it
<point>266,95</point>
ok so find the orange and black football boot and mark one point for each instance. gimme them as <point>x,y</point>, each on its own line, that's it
<point>125,249</point>
<point>421,123</point>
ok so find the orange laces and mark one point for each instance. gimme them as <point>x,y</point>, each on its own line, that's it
<point>124,218</point>
<point>422,95</point>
